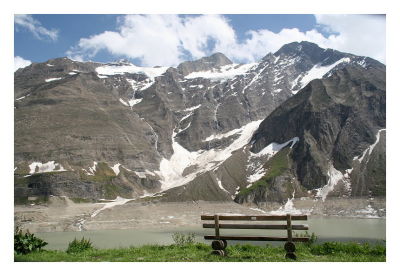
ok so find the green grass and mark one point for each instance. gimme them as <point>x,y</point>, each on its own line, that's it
<point>326,252</point>
<point>103,174</point>
<point>276,166</point>
<point>82,200</point>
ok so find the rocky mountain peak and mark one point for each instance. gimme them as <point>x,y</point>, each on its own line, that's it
<point>121,62</point>
<point>219,59</point>
<point>205,63</point>
<point>295,48</point>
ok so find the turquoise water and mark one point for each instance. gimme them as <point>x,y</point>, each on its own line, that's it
<point>326,229</point>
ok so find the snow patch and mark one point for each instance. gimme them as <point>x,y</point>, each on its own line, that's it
<point>52,79</point>
<point>288,208</point>
<point>277,79</point>
<point>144,174</point>
<point>223,135</point>
<point>92,170</point>
<point>362,63</point>
<point>185,128</point>
<point>260,172</point>
<point>38,167</point>
<point>334,177</point>
<point>223,73</point>
<point>220,185</point>
<point>117,201</point>
<point>115,168</point>
<point>197,86</point>
<point>319,71</point>
<point>123,102</point>
<point>273,148</point>
<point>134,101</point>
<point>254,78</point>
<point>192,108</point>
<point>110,70</point>
<point>370,148</point>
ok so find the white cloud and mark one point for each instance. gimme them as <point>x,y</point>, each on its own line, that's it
<point>19,62</point>
<point>359,34</point>
<point>169,39</point>
<point>35,27</point>
<point>159,39</point>
<point>261,42</point>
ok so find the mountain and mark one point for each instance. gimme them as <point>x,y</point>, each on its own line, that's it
<point>338,125</point>
<point>92,130</point>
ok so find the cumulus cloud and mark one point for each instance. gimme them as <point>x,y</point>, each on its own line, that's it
<point>169,39</point>
<point>35,27</point>
<point>359,34</point>
<point>19,62</point>
<point>159,39</point>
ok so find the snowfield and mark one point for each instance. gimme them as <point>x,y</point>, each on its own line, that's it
<point>171,170</point>
<point>110,70</point>
<point>318,71</point>
<point>223,73</point>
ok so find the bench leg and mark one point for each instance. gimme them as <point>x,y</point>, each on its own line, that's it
<point>219,252</point>
<point>290,248</point>
<point>291,255</point>
<point>219,244</point>
<point>219,247</point>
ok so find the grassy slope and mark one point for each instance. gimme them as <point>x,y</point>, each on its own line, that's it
<point>274,167</point>
<point>327,252</point>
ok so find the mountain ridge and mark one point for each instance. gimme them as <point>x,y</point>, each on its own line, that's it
<point>178,119</point>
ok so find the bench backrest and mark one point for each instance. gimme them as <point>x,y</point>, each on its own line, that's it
<point>288,226</point>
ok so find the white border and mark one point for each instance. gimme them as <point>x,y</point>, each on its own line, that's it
<point>196,7</point>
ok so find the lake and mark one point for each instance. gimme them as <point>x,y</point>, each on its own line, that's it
<point>326,229</point>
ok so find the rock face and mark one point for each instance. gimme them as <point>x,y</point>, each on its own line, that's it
<point>119,129</point>
<point>340,123</point>
<point>204,64</point>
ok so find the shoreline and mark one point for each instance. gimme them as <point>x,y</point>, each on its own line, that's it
<point>63,215</point>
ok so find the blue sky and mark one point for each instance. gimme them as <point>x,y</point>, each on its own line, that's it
<point>167,40</point>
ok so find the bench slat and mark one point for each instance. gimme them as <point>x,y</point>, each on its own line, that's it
<point>255,218</point>
<point>256,226</point>
<point>243,238</point>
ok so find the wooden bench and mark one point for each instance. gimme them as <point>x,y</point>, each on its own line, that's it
<point>220,241</point>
